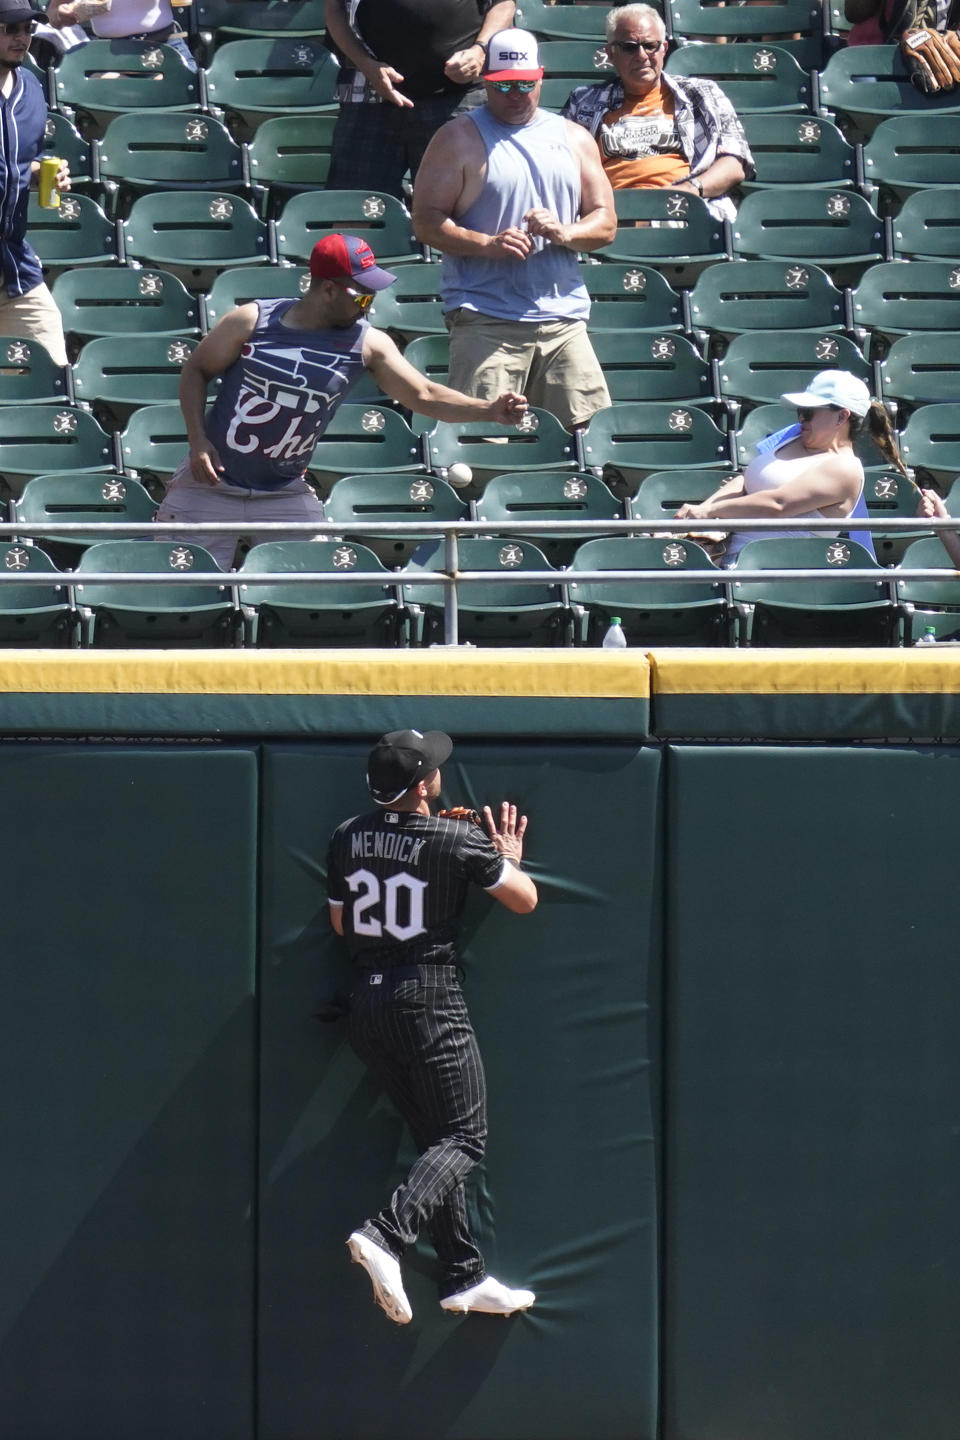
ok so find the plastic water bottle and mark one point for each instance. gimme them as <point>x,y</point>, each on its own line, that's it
<point>929,636</point>
<point>614,638</point>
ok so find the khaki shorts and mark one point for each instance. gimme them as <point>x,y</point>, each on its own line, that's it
<point>195,504</point>
<point>552,363</point>
<point>34,316</point>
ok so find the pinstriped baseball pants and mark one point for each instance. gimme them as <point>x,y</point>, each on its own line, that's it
<point>417,1039</point>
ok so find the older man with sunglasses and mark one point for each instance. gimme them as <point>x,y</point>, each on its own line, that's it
<point>284,368</point>
<point>510,194</point>
<point>26,306</point>
<point>655,129</point>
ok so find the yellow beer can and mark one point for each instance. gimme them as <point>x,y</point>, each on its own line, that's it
<point>47,182</point>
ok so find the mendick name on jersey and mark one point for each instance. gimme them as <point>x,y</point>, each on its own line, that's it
<point>375,844</point>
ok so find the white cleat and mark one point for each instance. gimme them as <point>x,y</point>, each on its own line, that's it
<point>384,1270</point>
<point>489,1298</point>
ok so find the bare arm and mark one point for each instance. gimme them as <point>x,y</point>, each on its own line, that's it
<point>215,353</point>
<point>381,76</point>
<point>336,917</point>
<point>723,175</point>
<point>817,488</point>
<point>436,196</point>
<point>597,223</point>
<point>932,507</point>
<point>467,65</point>
<point>75,12</point>
<point>516,890</point>
<point>405,384</point>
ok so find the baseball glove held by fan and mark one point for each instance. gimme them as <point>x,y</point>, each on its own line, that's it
<point>932,59</point>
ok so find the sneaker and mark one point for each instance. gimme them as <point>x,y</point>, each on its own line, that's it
<point>384,1270</point>
<point>490,1298</point>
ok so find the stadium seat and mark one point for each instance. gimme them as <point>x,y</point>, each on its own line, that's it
<point>792,25</point>
<point>61,137</point>
<point>195,233</point>
<point>652,611</point>
<point>667,228</point>
<point>145,151</point>
<point>767,295</point>
<point>903,296</point>
<point>920,369</point>
<point>630,297</point>
<point>411,306</point>
<point>430,354</point>
<point>798,150</point>
<point>287,156</point>
<point>830,610</point>
<point>251,80</point>
<point>635,438</point>
<point>926,604</point>
<point>154,441</point>
<point>364,440</point>
<point>568,63</point>
<point>382,220</point>
<point>753,75</point>
<point>80,499</point>
<point>865,84</point>
<point>639,366</point>
<point>393,500</point>
<point>34,615</point>
<point>115,379</point>
<point>124,301</point>
<point>263,282</point>
<point>565,21</point>
<point>890,495</point>
<point>835,229</point>
<point>38,438</point>
<point>910,152</point>
<point>663,492</point>
<point>490,612</point>
<point>930,441</point>
<point>76,233</point>
<point>928,225</point>
<point>537,496</point>
<point>539,443</point>
<point>115,614</point>
<point>240,18</point>
<point>761,365</point>
<point>106,77</point>
<point>315,612</point>
<point>28,374</point>
<point>768,419</point>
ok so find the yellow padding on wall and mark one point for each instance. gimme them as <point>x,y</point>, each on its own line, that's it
<point>561,674</point>
<point>806,672</point>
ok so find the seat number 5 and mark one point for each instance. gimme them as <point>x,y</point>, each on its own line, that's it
<point>378,906</point>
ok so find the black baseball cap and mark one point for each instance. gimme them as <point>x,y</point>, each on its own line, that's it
<point>402,758</point>
<point>14,11</point>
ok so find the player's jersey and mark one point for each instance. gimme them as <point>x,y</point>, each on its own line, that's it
<point>402,880</point>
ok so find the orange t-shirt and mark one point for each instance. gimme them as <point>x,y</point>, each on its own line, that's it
<point>640,143</point>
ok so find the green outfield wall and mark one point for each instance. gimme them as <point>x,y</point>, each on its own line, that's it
<point>723,1072</point>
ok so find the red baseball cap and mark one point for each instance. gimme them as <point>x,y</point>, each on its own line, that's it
<point>513,55</point>
<point>347,257</point>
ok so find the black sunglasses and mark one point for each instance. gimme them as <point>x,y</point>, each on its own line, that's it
<point>631,47</point>
<point>18,27</point>
<point>807,413</point>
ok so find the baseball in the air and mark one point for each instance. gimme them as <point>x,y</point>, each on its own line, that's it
<point>460,475</point>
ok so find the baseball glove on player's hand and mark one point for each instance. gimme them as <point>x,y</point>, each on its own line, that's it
<point>932,60</point>
<point>460,812</point>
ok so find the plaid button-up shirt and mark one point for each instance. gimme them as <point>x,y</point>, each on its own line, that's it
<point>706,122</point>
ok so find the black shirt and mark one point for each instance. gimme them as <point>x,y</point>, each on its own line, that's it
<point>402,880</point>
<point>417,37</point>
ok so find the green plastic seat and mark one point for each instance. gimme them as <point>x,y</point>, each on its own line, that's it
<point>238,287</point>
<point>539,443</point>
<point>760,365</point>
<point>920,369</point>
<point>532,497</point>
<point>363,440</point>
<point>865,84</point>
<point>35,615</point>
<point>569,62</point>
<point>144,151</point>
<point>766,420</point>
<point>154,441</point>
<point>393,499</point>
<point>379,219</point>
<point>76,233</point>
<point>317,612</point>
<point>630,297</point>
<point>124,301</point>
<point>254,79</point>
<point>767,295</point>
<point>565,20</point>
<point>652,611</point>
<point>838,230</point>
<point>117,379</point>
<point>752,74</point>
<point>668,228</point>
<point>35,439</point>
<point>831,610</point>
<point>106,77</point>
<point>226,18</point>
<point>92,498</point>
<point>491,612</point>
<point>287,156</point>
<point>61,137</point>
<point>890,495</point>
<point>901,296</point>
<point>928,225</point>
<point>661,494</point>
<point>798,150</point>
<point>928,603</point>
<point>146,613</point>
<point>635,438</point>
<point>412,305</point>
<point>792,25</point>
<point>430,354</point>
<point>653,367</point>
<point>195,234</point>
<point>911,152</point>
<point>930,440</point>
<point>28,373</point>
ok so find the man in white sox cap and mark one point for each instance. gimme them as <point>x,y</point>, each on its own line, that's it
<point>397,882</point>
<point>510,194</point>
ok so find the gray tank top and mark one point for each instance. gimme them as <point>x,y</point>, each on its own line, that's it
<point>529,167</point>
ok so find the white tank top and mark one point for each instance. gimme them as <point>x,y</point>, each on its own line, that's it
<point>769,472</point>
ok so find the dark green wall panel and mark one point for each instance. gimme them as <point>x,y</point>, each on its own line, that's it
<point>812,1262</point>
<point>127,1071</point>
<point>566,1199</point>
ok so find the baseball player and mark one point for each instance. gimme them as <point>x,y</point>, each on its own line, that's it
<point>397,881</point>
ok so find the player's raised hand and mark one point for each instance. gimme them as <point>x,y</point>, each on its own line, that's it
<point>507,837</point>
